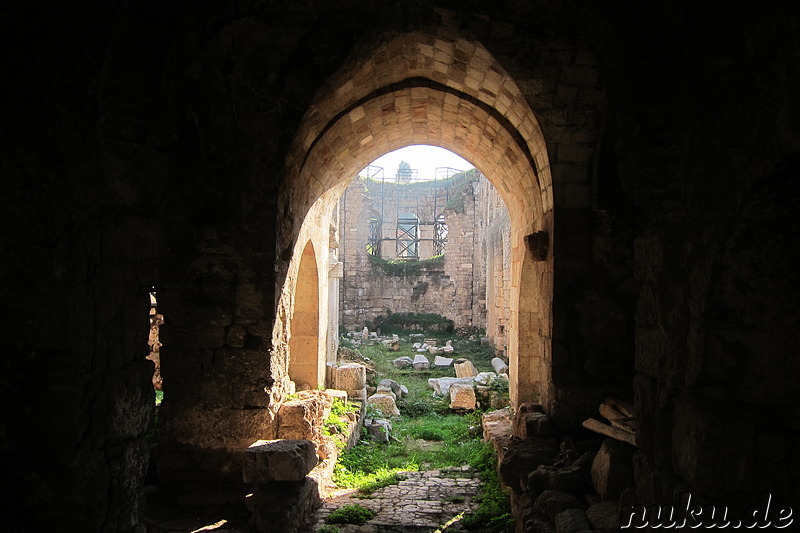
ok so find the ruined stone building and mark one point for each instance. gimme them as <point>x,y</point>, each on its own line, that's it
<point>647,154</point>
<point>426,247</point>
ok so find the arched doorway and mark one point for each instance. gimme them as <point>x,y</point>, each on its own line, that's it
<point>476,111</point>
<point>306,367</point>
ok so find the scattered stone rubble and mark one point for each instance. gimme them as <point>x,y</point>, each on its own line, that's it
<point>421,362</point>
<point>468,391</point>
<point>557,486</point>
<point>289,475</point>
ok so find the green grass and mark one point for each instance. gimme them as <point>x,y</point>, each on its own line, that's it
<point>427,434</point>
<point>350,514</point>
<point>494,513</point>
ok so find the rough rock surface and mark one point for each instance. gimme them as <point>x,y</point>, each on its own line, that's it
<point>552,502</point>
<point>403,362</point>
<point>385,403</point>
<point>465,369</point>
<point>462,397</point>
<point>279,460</point>
<point>571,521</point>
<point>421,362</point>
<point>523,457</point>
<point>604,516</point>
<point>612,469</point>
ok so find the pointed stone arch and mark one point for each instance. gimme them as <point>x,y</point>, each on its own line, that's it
<point>450,93</point>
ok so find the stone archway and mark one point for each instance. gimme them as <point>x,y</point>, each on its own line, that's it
<point>306,367</point>
<point>451,94</point>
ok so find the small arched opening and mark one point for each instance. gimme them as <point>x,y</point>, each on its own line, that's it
<point>306,367</point>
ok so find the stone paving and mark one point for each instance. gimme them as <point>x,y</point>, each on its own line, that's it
<point>422,502</point>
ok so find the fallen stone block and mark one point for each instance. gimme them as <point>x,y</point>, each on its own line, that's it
<point>499,366</point>
<point>337,394</point>
<point>421,362</point>
<point>441,386</point>
<point>391,385</point>
<point>349,376</point>
<point>384,389</point>
<point>462,397</point>
<point>465,369</point>
<point>485,378</point>
<point>302,418</point>
<point>403,362</point>
<point>442,361</point>
<point>360,394</point>
<point>380,430</point>
<point>497,428</point>
<point>385,403</point>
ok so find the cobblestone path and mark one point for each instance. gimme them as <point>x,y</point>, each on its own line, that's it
<point>423,502</point>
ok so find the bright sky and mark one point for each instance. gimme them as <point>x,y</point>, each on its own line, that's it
<point>421,157</point>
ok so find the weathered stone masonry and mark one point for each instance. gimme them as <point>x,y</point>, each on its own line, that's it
<point>652,152</point>
<point>454,285</point>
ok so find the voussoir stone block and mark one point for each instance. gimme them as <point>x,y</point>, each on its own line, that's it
<point>279,460</point>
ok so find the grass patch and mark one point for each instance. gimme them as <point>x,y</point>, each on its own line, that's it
<point>411,323</point>
<point>350,514</point>
<point>406,267</point>
<point>494,513</point>
<point>428,435</point>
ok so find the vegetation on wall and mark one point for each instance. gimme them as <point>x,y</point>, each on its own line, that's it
<point>406,267</point>
<point>462,183</point>
<point>411,323</point>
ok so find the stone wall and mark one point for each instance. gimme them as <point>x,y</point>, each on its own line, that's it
<point>493,230</point>
<point>647,157</point>
<point>454,285</point>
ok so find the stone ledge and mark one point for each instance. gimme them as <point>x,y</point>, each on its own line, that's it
<point>279,460</point>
